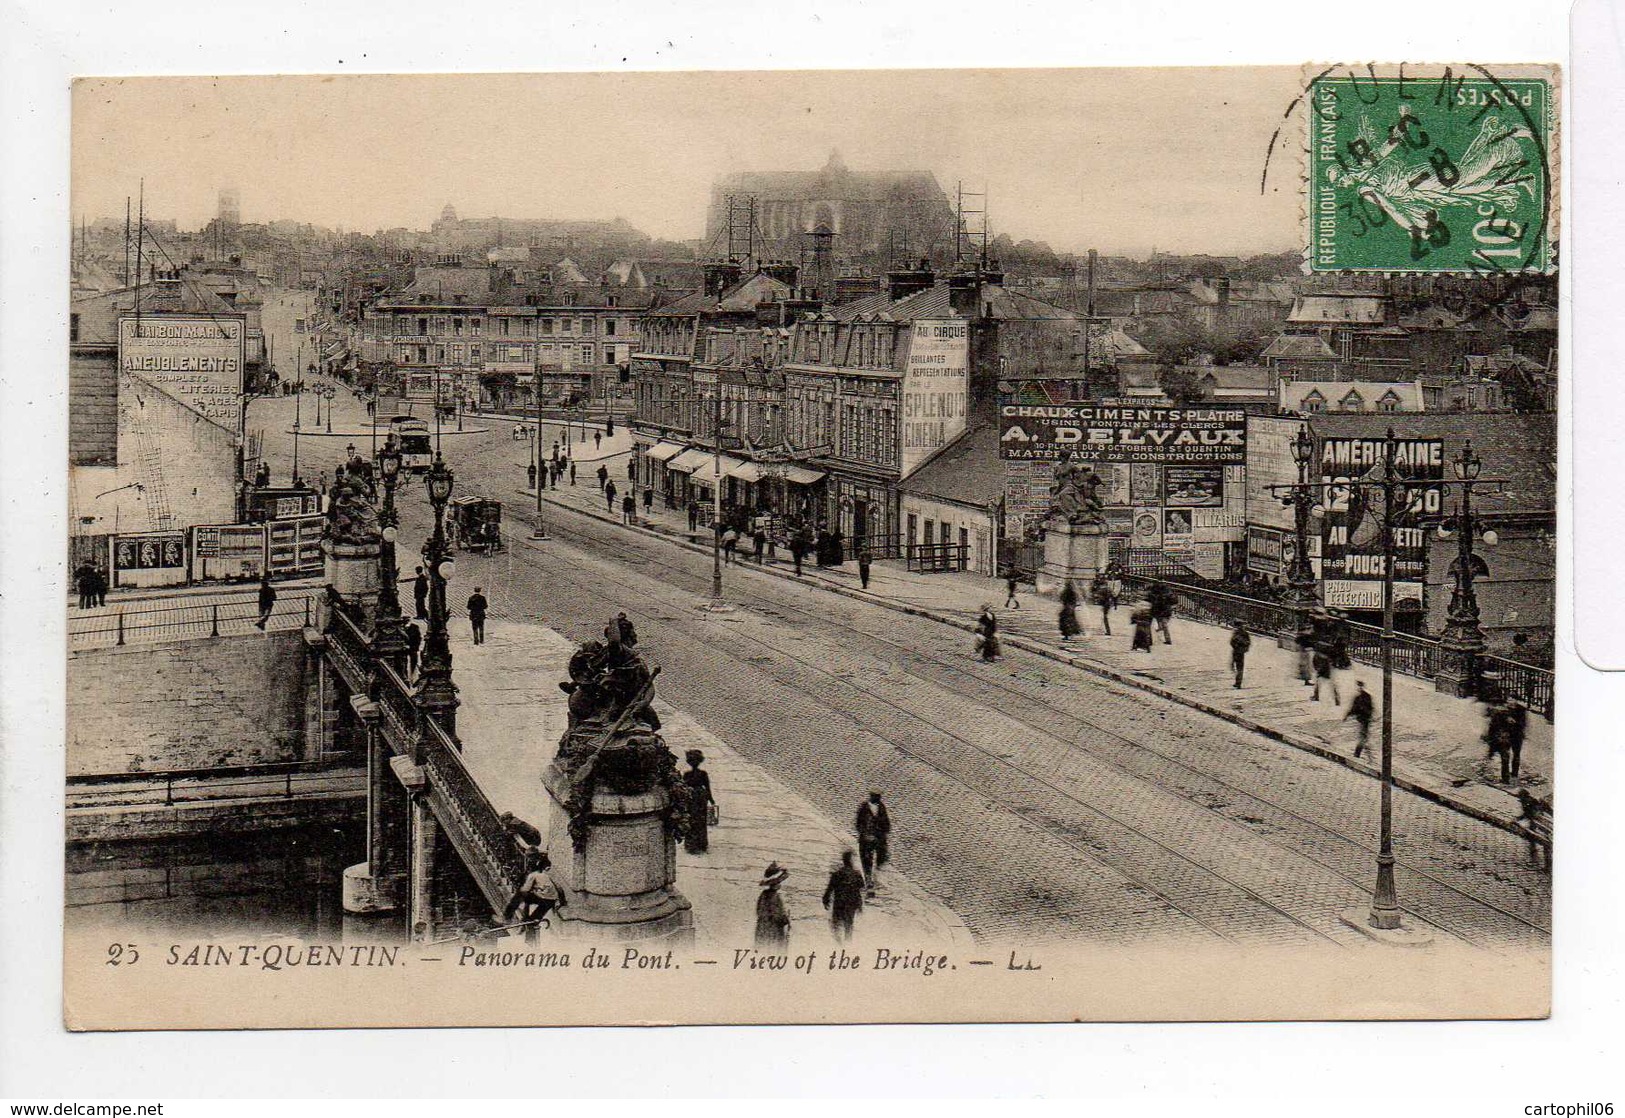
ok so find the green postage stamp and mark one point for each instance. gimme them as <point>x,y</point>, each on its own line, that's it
<point>1442,169</point>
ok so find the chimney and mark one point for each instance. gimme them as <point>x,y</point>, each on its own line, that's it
<point>721,275</point>
<point>784,271</point>
<point>964,292</point>
<point>166,290</point>
<point>907,281</point>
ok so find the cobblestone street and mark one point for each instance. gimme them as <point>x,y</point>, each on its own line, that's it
<point>1036,801</point>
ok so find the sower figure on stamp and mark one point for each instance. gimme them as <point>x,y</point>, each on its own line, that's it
<point>874,838</point>
<point>843,897</point>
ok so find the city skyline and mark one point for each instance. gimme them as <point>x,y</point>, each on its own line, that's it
<point>1047,146</point>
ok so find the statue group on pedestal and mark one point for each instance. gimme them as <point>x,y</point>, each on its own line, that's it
<point>351,517</point>
<point>612,741</point>
<point>1074,494</point>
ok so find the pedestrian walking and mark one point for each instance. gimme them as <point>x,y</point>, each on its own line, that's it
<point>83,577</point>
<point>1162,601</point>
<point>758,542</point>
<point>1012,580</point>
<point>530,473</point>
<point>1322,661</point>
<point>632,470</point>
<point>1361,709</point>
<point>629,508</point>
<point>843,897</point>
<point>608,489</point>
<point>629,635</point>
<point>1240,642</point>
<point>1504,736</point>
<point>1141,620</point>
<point>693,517</point>
<point>648,499</point>
<point>1536,814</point>
<point>267,600</point>
<point>702,804</point>
<point>863,567</point>
<point>98,583</point>
<point>730,541</point>
<point>414,643</point>
<point>477,605</point>
<point>798,548</point>
<point>420,595</point>
<point>603,475</point>
<point>1100,593</point>
<point>987,633</point>
<point>572,464</point>
<point>1068,618</point>
<point>874,838</point>
<point>772,921</point>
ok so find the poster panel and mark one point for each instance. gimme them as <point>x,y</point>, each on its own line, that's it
<point>1351,541</point>
<point>936,379</point>
<point>1147,528</point>
<point>1145,484</point>
<point>1193,486</point>
<point>1269,463</point>
<point>195,359</point>
<point>1109,433</point>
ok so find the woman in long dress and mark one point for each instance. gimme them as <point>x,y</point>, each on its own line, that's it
<point>697,835</point>
<point>1142,628</point>
<point>772,921</point>
<point>1069,611</point>
<point>987,630</point>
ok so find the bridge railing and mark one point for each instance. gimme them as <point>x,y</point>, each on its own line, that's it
<point>472,823</point>
<point>275,779</point>
<point>1412,655</point>
<point>235,616</point>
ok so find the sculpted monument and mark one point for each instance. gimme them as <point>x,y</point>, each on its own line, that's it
<point>1075,530</point>
<point>616,803</point>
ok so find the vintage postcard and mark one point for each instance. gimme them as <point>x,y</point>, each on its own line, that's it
<point>842,546</point>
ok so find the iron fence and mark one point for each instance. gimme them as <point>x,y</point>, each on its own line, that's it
<point>275,779</point>
<point>236,616</point>
<point>1412,655</point>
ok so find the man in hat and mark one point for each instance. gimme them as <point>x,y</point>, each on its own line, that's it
<point>874,833</point>
<point>1361,710</point>
<point>420,595</point>
<point>1240,641</point>
<point>772,921</point>
<point>522,831</point>
<point>843,897</point>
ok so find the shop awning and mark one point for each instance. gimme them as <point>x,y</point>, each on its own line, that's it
<point>663,451</point>
<point>747,471</point>
<point>699,463</point>
<point>689,461</point>
<point>799,475</point>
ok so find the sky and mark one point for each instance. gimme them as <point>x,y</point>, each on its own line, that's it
<point>1119,160</point>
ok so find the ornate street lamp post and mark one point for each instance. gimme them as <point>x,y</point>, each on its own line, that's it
<point>1462,642</point>
<point>436,694</point>
<point>386,628</point>
<point>1300,577</point>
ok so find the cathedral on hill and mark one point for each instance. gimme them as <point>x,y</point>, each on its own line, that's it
<point>872,215</point>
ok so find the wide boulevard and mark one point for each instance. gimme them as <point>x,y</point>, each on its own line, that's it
<point>1039,802</point>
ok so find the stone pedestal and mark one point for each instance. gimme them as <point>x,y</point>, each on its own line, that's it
<point>352,570</point>
<point>1072,551</point>
<point>622,886</point>
<point>364,894</point>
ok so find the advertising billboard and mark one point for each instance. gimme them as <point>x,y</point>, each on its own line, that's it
<point>195,359</point>
<point>1351,548</point>
<point>1193,487</point>
<point>936,388</point>
<point>1269,463</point>
<point>1122,434</point>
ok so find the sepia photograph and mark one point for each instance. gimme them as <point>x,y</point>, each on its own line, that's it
<point>844,546</point>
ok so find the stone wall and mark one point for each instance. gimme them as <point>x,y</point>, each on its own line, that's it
<point>189,704</point>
